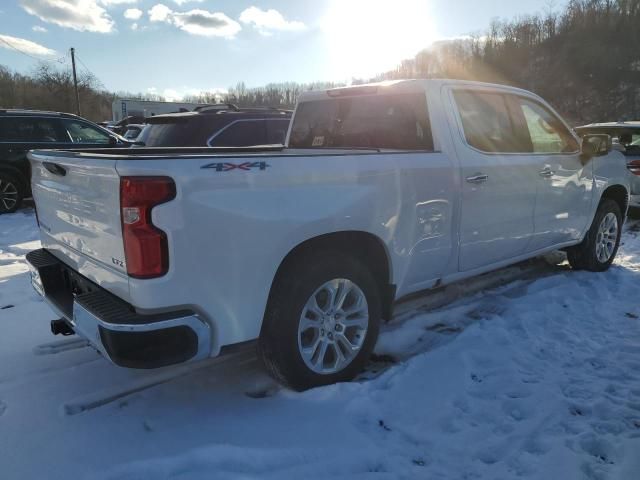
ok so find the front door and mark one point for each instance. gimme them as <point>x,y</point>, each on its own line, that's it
<point>564,181</point>
<point>498,180</point>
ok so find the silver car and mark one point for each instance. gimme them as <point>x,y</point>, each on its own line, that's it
<point>626,139</point>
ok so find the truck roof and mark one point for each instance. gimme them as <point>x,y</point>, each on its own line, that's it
<point>611,125</point>
<point>22,112</point>
<point>399,86</point>
<point>208,113</point>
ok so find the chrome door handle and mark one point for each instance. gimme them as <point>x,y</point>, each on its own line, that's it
<point>479,178</point>
<point>547,172</point>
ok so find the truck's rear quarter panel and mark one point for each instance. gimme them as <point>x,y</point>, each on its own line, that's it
<point>229,230</point>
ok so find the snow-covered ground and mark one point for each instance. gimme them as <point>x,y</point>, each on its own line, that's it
<point>537,378</point>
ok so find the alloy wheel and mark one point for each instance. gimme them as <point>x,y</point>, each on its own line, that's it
<point>333,326</point>
<point>607,237</point>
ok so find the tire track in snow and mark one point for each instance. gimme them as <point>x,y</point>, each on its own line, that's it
<point>111,394</point>
<point>52,348</point>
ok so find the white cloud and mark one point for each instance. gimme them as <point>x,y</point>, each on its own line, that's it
<point>159,13</point>
<point>117,2</point>
<point>26,46</point>
<point>134,26</point>
<point>182,2</point>
<point>81,15</point>
<point>133,13</point>
<point>38,28</point>
<point>266,21</point>
<point>196,22</point>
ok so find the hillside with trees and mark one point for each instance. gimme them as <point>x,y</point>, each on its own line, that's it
<point>584,59</point>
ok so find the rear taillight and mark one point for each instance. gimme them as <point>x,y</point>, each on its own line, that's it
<point>145,246</point>
<point>634,167</point>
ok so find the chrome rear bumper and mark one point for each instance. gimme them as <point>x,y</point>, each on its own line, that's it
<point>112,326</point>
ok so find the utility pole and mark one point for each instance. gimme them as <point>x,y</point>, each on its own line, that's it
<point>75,79</point>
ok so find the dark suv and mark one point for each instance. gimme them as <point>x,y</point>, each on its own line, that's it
<point>223,125</point>
<point>23,130</point>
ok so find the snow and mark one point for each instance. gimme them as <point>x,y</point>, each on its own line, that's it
<point>532,372</point>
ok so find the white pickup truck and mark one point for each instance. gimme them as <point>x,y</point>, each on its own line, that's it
<point>162,256</point>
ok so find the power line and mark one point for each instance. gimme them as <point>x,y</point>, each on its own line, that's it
<point>89,71</point>
<point>40,59</point>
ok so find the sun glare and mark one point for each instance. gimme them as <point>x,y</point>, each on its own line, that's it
<point>366,37</point>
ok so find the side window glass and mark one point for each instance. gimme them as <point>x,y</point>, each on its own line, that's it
<point>548,134</point>
<point>8,131</point>
<point>242,133</point>
<point>486,122</point>
<point>276,131</point>
<point>29,129</point>
<point>81,132</point>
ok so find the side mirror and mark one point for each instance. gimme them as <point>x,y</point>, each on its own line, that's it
<point>595,145</point>
<point>113,141</point>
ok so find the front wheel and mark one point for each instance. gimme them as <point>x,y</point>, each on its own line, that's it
<point>599,247</point>
<point>322,321</point>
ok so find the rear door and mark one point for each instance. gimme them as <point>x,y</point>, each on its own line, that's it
<point>499,179</point>
<point>19,134</point>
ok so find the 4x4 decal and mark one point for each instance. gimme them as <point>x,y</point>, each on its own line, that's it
<point>228,166</point>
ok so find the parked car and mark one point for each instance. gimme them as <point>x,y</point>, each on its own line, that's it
<point>22,130</point>
<point>120,127</point>
<point>626,139</point>
<point>133,131</point>
<point>171,255</point>
<point>217,126</point>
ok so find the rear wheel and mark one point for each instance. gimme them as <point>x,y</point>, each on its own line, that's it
<point>599,247</point>
<point>11,193</point>
<point>634,213</point>
<point>322,321</point>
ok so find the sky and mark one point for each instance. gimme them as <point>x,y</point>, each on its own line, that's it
<point>181,47</point>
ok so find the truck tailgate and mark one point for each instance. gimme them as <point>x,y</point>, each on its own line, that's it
<point>78,204</point>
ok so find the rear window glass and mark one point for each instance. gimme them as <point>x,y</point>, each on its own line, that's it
<point>277,131</point>
<point>241,133</point>
<point>381,121</point>
<point>178,134</point>
<point>487,124</point>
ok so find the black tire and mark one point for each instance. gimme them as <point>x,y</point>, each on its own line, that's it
<point>634,213</point>
<point>11,192</point>
<point>583,256</point>
<point>278,343</point>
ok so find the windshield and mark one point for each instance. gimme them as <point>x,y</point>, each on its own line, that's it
<point>380,121</point>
